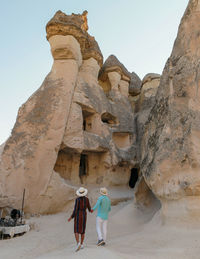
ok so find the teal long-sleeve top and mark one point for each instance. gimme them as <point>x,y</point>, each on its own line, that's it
<point>103,207</point>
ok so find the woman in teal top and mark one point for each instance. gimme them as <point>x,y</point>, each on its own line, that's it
<point>103,207</point>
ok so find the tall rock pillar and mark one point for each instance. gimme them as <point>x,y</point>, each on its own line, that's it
<point>30,153</point>
<point>171,154</point>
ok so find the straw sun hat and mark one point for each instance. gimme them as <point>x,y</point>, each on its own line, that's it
<point>103,191</point>
<point>81,192</point>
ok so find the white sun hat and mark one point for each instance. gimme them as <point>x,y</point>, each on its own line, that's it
<point>103,191</point>
<point>81,192</point>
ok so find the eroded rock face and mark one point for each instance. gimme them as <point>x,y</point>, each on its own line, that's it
<point>135,84</point>
<point>143,107</point>
<point>98,132</point>
<point>113,64</point>
<point>30,153</point>
<point>170,155</point>
<point>95,125</point>
<point>144,197</point>
<point>70,131</point>
<point>76,26</point>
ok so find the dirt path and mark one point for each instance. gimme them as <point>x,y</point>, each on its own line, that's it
<point>131,234</point>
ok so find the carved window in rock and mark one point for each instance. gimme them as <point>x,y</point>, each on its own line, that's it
<point>108,118</point>
<point>133,177</point>
<point>87,120</point>
<point>122,139</point>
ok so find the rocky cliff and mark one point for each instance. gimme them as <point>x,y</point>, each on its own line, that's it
<point>77,128</point>
<point>170,156</point>
<point>95,124</point>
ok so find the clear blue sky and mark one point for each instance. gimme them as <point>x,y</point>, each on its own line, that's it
<point>140,33</point>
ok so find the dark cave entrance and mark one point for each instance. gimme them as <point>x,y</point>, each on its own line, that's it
<point>84,124</point>
<point>83,165</point>
<point>108,118</point>
<point>133,177</point>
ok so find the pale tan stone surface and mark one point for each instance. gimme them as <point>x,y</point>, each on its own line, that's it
<point>91,125</point>
<point>75,25</point>
<point>124,87</point>
<point>95,141</point>
<point>80,112</point>
<point>122,140</point>
<point>1,149</point>
<point>113,64</point>
<point>69,132</point>
<point>142,105</point>
<point>170,160</point>
<point>144,197</point>
<point>114,78</point>
<point>30,153</point>
<point>65,47</point>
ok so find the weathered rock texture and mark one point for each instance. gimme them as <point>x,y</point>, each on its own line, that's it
<point>97,125</point>
<point>143,105</point>
<point>135,84</point>
<point>70,131</point>
<point>76,26</point>
<point>170,159</point>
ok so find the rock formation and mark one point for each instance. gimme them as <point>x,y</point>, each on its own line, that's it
<point>170,156</point>
<point>98,124</point>
<point>143,105</point>
<point>72,130</point>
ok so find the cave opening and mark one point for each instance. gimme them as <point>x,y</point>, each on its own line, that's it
<point>108,118</point>
<point>133,177</point>
<point>83,165</point>
<point>87,120</point>
<point>84,124</point>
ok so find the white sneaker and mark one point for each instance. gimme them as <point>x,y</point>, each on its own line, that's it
<point>82,246</point>
<point>78,247</point>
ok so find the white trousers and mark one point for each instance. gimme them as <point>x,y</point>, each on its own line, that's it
<point>101,227</point>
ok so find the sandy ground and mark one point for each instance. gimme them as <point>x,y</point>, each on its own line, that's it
<point>131,234</point>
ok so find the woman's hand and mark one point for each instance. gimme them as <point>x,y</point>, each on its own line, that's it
<point>69,219</point>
